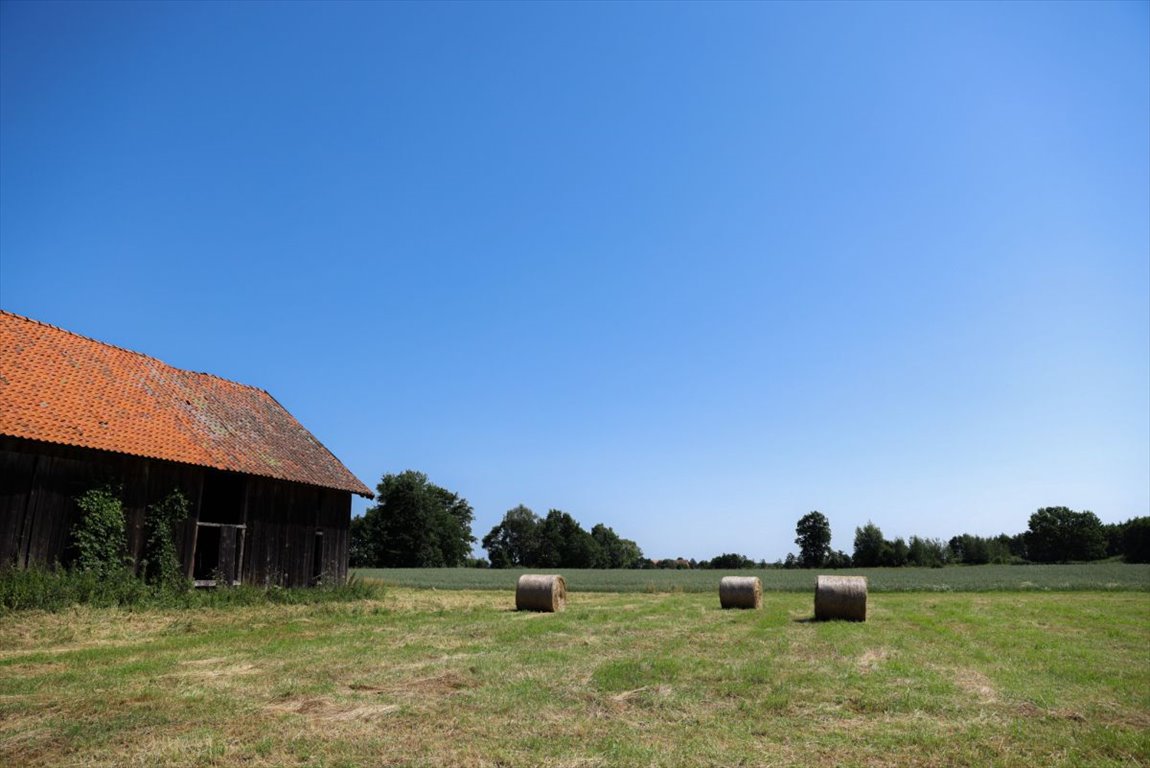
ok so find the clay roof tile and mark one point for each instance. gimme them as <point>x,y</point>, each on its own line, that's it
<point>60,387</point>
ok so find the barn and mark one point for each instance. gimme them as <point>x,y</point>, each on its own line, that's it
<point>269,504</point>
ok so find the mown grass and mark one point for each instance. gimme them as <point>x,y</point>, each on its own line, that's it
<point>457,678</point>
<point>1103,576</point>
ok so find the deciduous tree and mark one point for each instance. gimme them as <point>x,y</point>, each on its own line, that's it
<point>564,544</point>
<point>524,540</point>
<point>869,546</point>
<point>514,542</point>
<point>813,535</point>
<point>729,561</point>
<point>926,553</point>
<point>414,524</point>
<point>895,554</point>
<point>1136,540</point>
<point>1059,534</point>
<point>615,552</point>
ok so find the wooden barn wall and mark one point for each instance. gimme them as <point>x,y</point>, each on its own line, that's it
<point>284,521</point>
<point>39,483</point>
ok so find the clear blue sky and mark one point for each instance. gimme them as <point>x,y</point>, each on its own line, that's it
<point>691,270</point>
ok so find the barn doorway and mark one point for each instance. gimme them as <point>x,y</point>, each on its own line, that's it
<point>223,499</point>
<point>317,559</point>
<point>219,550</point>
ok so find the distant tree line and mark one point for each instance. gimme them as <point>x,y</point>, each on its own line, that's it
<point>1053,535</point>
<point>524,540</point>
<point>728,561</point>
<point>416,523</point>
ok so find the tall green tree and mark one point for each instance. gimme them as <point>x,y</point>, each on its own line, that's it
<point>564,544</point>
<point>813,535</point>
<point>414,524</point>
<point>730,561</point>
<point>1059,534</point>
<point>361,550</point>
<point>980,550</point>
<point>926,553</point>
<point>870,546</point>
<point>615,552</point>
<point>514,542</point>
<point>1136,540</point>
<point>1115,534</point>
<point>895,554</point>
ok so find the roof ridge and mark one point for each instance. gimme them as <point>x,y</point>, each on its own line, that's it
<point>71,389</point>
<point>133,352</point>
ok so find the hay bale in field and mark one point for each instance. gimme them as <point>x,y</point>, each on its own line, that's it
<point>840,597</point>
<point>741,592</point>
<point>534,592</point>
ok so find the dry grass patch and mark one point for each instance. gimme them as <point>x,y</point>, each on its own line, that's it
<point>320,709</point>
<point>872,658</point>
<point>214,672</point>
<point>977,684</point>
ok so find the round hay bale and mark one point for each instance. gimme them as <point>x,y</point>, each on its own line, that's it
<point>840,597</point>
<point>741,592</point>
<point>534,592</point>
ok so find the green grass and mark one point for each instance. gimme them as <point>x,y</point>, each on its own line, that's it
<point>427,677</point>
<point>57,590</point>
<point>1104,576</point>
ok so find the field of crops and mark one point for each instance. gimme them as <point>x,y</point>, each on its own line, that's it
<point>1105,576</point>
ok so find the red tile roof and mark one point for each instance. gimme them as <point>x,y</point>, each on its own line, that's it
<point>59,387</point>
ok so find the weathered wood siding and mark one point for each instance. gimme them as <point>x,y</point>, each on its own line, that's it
<point>284,522</point>
<point>39,483</point>
<point>281,521</point>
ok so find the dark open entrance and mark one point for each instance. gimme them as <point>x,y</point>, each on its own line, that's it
<point>219,551</point>
<point>219,543</point>
<point>223,498</point>
<point>317,558</point>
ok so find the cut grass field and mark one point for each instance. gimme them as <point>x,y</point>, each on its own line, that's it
<point>424,677</point>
